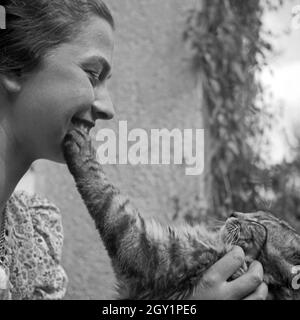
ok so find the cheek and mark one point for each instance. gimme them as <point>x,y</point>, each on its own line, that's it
<point>55,102</point>
<point>45,111</point>
<point>67,98</point>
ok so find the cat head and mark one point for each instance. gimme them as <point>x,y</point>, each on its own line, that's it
<point>272,241</point>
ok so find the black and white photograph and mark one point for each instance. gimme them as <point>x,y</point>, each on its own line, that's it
<point>150,150</point>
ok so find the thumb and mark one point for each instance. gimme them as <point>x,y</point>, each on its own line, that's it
<point>229,264</point>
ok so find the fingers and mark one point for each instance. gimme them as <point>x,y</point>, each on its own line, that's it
<point>261,293</point>
<point>223,269</point>
<point>247,283</point>
<point>215,284</point>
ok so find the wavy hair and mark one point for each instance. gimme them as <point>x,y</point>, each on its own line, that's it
<point>33,27</point>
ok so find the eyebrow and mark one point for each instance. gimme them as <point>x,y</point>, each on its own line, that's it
<point>106,67</point>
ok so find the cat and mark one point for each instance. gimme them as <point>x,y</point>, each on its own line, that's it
<point>155,262</point>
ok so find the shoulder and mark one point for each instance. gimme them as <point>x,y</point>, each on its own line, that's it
<point>35,239</point>
<point>21,203</point>
<point>40,215</point>
<point>24,200</point>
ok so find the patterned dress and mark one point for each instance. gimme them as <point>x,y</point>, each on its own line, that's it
<point>32,243</point>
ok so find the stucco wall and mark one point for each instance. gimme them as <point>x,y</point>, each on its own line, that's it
<point>152,87</point>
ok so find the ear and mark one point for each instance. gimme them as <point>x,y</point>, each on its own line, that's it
<point>11,82</point>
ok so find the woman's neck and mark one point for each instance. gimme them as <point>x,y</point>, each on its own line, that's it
<point>13,165</point>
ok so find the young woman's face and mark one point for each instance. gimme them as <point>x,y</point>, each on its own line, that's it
<point>71,83</point>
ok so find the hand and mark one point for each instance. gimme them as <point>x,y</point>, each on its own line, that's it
<point>215,285</point>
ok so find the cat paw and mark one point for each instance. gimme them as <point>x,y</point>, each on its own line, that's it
<point>77,149</point>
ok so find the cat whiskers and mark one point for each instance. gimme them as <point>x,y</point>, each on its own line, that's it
<point>233,234</point>
<point>217,221</point>
<point>215,224</point>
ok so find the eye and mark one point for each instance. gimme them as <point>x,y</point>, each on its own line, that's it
<point>97,78</point>
<point>93,76</point>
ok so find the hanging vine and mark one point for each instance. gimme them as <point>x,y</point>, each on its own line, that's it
<point>229,47</point>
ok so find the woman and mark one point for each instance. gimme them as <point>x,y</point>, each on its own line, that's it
<point>55,60</point>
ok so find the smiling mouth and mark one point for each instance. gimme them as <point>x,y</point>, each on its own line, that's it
<point>82,124</point>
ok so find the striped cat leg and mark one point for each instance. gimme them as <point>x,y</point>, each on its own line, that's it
<point>150,261</point>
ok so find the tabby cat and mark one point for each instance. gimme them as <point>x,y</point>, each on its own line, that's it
<point>155,262</point>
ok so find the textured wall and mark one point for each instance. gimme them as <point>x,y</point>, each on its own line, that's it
<point>152,88</point>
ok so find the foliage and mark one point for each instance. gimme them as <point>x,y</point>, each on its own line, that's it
<point>285,201</point>
<point>229,47</point>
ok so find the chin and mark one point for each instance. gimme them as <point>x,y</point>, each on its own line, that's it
<point>56,154</point>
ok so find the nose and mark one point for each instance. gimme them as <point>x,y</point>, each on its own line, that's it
<point>102,107</point>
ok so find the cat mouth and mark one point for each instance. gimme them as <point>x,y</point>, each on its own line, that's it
<point>82,124</point>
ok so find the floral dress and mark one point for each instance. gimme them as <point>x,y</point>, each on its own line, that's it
<point>32,245</point>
